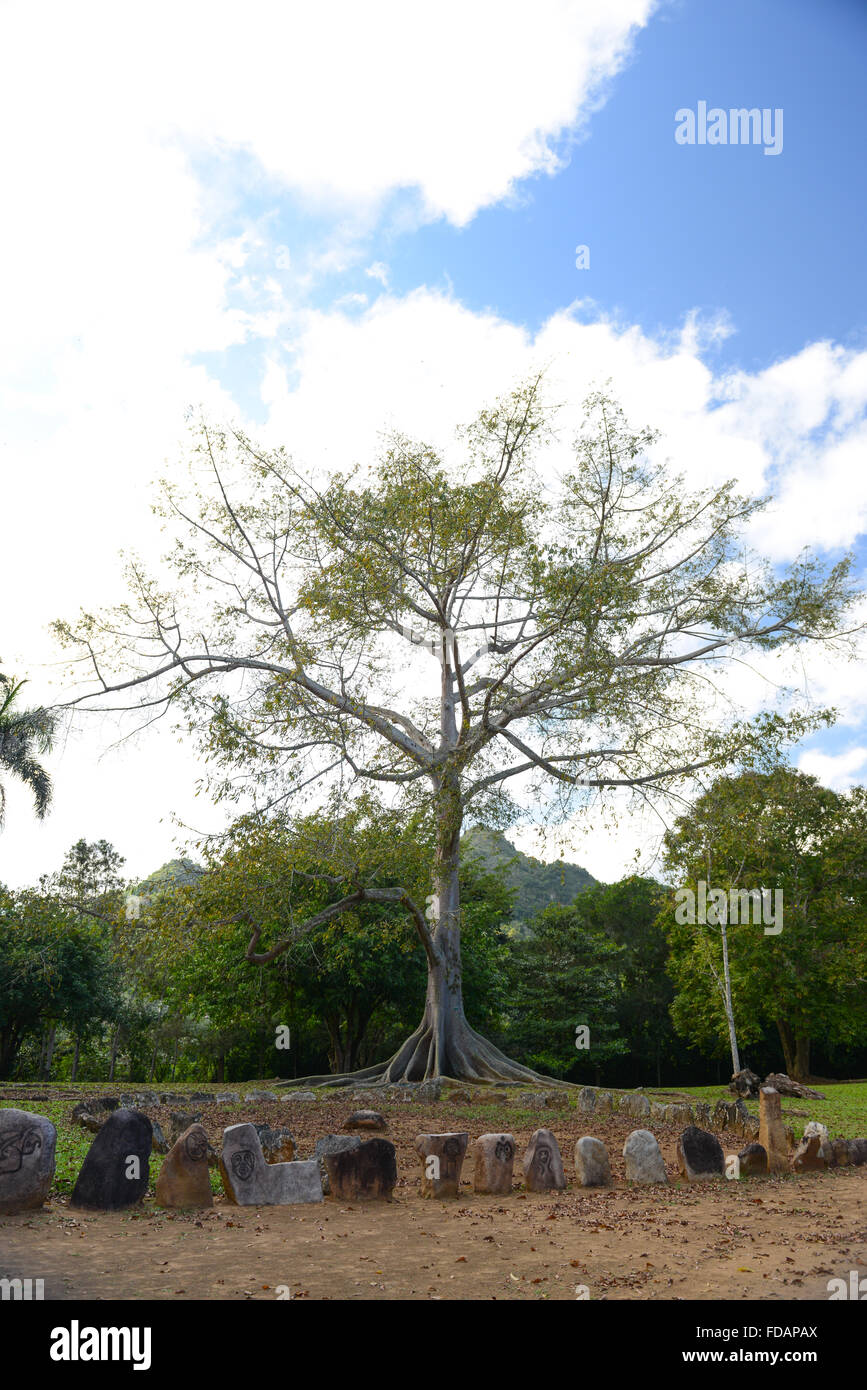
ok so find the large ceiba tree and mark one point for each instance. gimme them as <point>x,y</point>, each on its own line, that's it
<point>472,639</point>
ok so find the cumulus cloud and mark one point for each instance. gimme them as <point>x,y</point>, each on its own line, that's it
<point>422,363</point>
<point>136,259</point>
<point>836,770</point>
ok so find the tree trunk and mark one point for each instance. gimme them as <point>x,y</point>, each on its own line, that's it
<point>802,1058</point>
<point>730,1013</point>
<point>443,1044</point>
<point>788,1043</point>
<point>49,1051</point>
<point>115,1039</point>
<point>10,1041</point>
<point>336,1051</point>
<point>75,1056</point>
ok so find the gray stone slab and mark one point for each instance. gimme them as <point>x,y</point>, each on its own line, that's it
<point>592,1165</point>
<point>249,1181</point>
<point>27,1150</point>
<point>494,1156</point>
<point>543,1163</point>
<point>644,1163</point>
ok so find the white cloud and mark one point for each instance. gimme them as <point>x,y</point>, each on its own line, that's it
<point>342,103</point>
<point>423,363</point>
<point>134,147</point>
<point>836,770</point>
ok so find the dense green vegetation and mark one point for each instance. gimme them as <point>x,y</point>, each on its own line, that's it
<point>152,981</point>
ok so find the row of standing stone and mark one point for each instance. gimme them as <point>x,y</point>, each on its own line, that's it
<point>115,1172</point>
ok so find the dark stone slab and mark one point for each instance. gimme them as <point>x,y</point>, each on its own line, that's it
<point>116,1170</point>
<point>332,1144</point>
<point>699,1155</point>
<point>365,1174</point>
<point>753,1161</point>
<point>366,1119</point>
<point>27,1147</point>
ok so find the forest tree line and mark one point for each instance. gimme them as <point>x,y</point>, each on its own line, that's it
<point>104,979</point>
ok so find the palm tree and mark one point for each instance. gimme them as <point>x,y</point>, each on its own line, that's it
<point>24,733</point>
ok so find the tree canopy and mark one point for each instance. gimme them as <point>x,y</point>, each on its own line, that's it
<point>779,832</point>
<point>480,638</point>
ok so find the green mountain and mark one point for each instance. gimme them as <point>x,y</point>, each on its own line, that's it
<point>178,873</point>
<point>538,884</point>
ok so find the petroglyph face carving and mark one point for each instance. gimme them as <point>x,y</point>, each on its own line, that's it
<point>16,1146</point>
<point>196,1147</point>
<point>243,1163</point>
<point>504,1150</point>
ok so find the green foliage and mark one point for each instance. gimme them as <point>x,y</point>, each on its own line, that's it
<point>358,976</point>
<point>53,969</point>
<point>564,973</point>
<point>778,831</point>
<point>25,735</point>
<point>628,912</point>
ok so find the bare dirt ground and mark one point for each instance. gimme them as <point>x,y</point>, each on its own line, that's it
<point>775,1239</point>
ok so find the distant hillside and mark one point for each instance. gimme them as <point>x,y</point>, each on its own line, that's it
<point>178,873</point>
<point>538,884</point>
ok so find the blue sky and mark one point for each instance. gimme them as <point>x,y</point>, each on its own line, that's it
<point>776,243</point>
<point>320,223</point>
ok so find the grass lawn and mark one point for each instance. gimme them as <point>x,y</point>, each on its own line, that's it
<point>844,1111</point>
